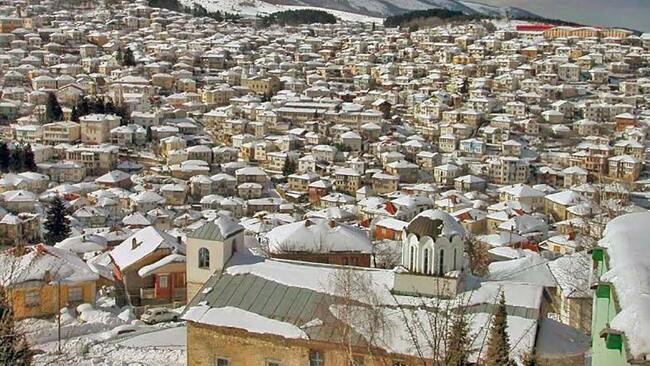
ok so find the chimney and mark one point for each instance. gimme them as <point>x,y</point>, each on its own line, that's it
<point>134,244</point>
<point>308,223</point>
<point>47,276</point>
<point>332,224</point>
<point>179,239</point>
<point>572,235</point>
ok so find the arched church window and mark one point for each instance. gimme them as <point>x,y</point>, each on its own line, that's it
<point>426,261</point>
<point>204,258</point>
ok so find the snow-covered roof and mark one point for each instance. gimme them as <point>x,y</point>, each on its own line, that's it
<point>450,226</point>
<point>143,243</point>
<point>114,176</point>
<point>172,258</point>
<point>43,263</point>
<point>219,229</point>
<point>232,317</point>
<point>573,274</point>
<point>83,243</point>
<point>531,269</point>
<point>318,236</point>
<point>316,285</point>
<point>626,241</point>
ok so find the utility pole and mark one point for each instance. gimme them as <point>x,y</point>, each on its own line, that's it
<point>58,314</point>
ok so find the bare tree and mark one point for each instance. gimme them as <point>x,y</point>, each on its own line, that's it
<point>358,307</point>
<point>479,257</point>
<point>14,349</point>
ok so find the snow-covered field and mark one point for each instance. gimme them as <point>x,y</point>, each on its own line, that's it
<point>105,335</point>
<point>157,346</point>
<point>358,9</point>
<point>257,7</point>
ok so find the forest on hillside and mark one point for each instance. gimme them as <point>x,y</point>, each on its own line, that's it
<point>300,16</point>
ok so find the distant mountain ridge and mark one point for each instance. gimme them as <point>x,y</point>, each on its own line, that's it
<point>382,8</point>
<point>371,8</point>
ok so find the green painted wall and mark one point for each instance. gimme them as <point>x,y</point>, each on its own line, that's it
<point>604,310</point>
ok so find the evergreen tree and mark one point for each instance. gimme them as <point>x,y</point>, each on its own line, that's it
<point>458,340</point>
<point>119,56</point>
<point>29,164</point>
<point>109,108</point>
<point>530,358</point>
<point>53,111</point>
<point>83,107</point>
<point>57,224</point>
<point>5,157</point>
<point>17,161</point>
<point>129,59</point>
<point>14,349</point>
<point>464,89</point>
<point>498,351</point>
<point>74,115</point>
<point>98,106</point>
<point>289,167</point>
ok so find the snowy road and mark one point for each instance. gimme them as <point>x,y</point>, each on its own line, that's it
<point>151,346</point>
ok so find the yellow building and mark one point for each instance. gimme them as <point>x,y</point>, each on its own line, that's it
<point>265,85</point>
<point>43,279</point>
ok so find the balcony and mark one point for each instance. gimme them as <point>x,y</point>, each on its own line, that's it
<point>179,293</point>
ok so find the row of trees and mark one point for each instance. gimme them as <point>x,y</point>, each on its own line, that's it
<point>18,159</point>
<point>89,105</point>
<point>297,17</point>
<point>438,331</point>
<point>196,10</point>
<point>418,18</point>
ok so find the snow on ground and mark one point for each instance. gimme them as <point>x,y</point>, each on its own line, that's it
<point>94,337</point>
<point>172,338</point>
<point>163,346</point>
<point>350,17</point>
<point>256,7</point>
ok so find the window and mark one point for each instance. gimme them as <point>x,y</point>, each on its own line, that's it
<point>204,258</point>
<point>222,362</point>
<point>33,299</point>
<point>316,359</point>
<point>75,294</point>
<point>411,258</point>
<point>398,363</point>
<point>272,363</point>
<point>163,281</point>
<point>426,261</point>
<point>455,258</point>
<point>441,264</point>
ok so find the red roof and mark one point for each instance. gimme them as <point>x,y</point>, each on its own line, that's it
<point>533,27</point>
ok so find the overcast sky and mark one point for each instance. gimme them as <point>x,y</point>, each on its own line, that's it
<point>625,13</point>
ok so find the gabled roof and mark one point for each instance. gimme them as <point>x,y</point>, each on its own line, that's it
<point>147,241</point>
<point>220,229</point>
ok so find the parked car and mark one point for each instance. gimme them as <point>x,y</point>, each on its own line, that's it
<point>158,315</point>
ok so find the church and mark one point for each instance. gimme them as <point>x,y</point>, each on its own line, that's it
<point>252,310</point>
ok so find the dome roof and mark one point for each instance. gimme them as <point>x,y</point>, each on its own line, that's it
<point>434,223</point>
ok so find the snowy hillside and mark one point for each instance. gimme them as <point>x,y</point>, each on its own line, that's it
<point>358,10</point>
